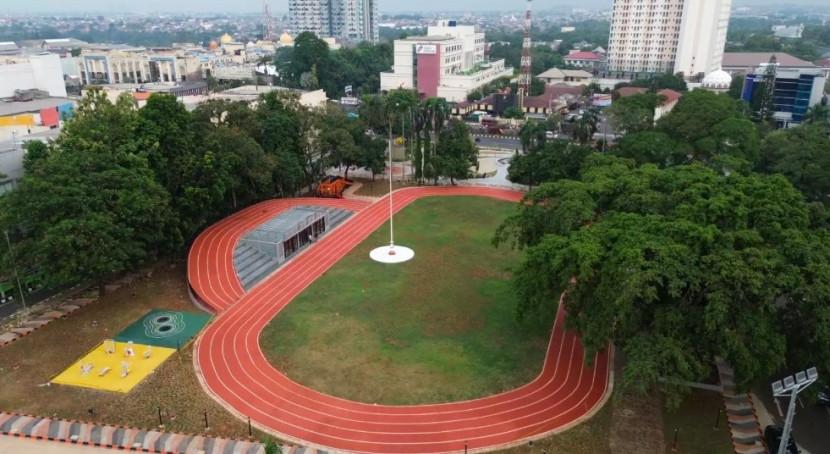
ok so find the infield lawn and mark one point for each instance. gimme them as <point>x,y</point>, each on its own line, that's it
<point>439,328</point>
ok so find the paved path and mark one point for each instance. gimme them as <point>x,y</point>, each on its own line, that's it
<point>121,437</point>
<point>19,445</point>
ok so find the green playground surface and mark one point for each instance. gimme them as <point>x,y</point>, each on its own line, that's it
<point>164,328</point>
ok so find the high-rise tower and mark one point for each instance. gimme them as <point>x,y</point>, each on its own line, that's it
<point>350,20</point>
<point>526,74</point>
<point>668,36</point>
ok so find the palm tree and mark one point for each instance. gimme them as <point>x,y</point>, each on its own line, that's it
<point>532,135</point>
<point>586,127</point>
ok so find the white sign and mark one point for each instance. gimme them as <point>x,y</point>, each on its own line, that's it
<point>426,49</point>
<point>348,101</point>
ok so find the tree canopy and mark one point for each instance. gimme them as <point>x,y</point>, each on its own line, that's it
<point>675,266</point>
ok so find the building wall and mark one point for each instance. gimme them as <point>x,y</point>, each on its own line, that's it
<point>702,36</point>
<point>795,92</point>
<point>42,72</point>
<point>429,72</point>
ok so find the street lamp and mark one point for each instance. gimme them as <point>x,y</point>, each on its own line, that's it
<point>791,386</point>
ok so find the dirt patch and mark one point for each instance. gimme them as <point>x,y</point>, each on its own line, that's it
<point>173,387</point>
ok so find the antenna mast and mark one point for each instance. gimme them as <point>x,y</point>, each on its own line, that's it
<point>267,31</point>
<point>526,73</point>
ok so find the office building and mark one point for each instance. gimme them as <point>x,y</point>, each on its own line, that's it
<point>668,36</point>
<point>447,63</point>
<point>796,90</point>
<point>349,20</point>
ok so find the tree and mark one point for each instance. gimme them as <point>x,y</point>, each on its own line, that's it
<point>92,208</point>
<point>802,155</point>
<point>36,153</point>
<point>766,106</point>
<point>634,113</point>
<point>818,115</point>
<point>456,153</point>
<point>551,161</point>
<point>653,147</point>
<point>661,81</point>
<point>586,127</point>
<point>736,87</point>
<point>652,262</point>
<point>532,135</point>
<point>513,112</point>
<point>695,114</point>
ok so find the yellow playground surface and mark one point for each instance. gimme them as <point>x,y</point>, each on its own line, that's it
<point>102,370</point>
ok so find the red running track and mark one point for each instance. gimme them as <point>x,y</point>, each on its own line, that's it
<point>235,371</point>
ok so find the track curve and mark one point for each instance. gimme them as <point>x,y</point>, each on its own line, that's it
<point>235,371</point>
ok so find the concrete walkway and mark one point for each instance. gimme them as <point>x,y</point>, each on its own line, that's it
<point>19,445</point>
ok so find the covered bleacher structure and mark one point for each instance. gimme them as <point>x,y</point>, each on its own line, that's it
<point>265,248</point>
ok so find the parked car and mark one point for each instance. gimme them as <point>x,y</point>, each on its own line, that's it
<point>773,435</point>
<point>494,130</point>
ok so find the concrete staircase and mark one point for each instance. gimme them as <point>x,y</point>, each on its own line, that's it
<point>747,437</point>
<point>253,265</point>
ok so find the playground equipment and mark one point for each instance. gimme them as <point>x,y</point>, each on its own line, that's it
<point>333,186</point>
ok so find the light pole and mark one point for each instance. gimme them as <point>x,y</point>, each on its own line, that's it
<point>14,268</point>
<point>791,387</point>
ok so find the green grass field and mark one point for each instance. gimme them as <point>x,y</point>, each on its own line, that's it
<point>439,328</point>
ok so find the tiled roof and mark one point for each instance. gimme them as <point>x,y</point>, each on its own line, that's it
<point>671,95</point>
<point>583,56</point>
<point>631,91</point>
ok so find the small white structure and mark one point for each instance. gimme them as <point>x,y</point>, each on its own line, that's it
<point>718,80</point>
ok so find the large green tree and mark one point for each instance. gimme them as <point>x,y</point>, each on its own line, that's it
<point>92,208</point>
<point>676,266</point>
<point>634,113</point>
<point>802,155</point>
<point>456,153</point>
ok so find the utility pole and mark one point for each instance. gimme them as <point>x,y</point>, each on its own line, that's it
<point>14,268</point>
<point>791,387</point>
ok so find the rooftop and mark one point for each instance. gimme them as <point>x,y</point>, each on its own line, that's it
<point>631,91</point>
<point>429,38</point>
<point>556,73</point>
<point>35,105</point>
<point>671,95</point>
<point>584,56</point>
<point>751,59</point>
<point>253,90</point>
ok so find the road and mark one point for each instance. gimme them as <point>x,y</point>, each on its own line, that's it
<point>16,445</point>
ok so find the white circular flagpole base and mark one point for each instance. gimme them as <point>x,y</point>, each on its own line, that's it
<point>392,254</point>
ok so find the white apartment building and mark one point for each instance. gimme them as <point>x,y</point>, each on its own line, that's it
<point>41,72</point>
<point>350,20</point>
<point>670,36</point>
<point>447,63</point>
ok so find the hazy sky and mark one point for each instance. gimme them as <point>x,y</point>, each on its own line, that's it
<point>276,5</point>
<point>143,6</point>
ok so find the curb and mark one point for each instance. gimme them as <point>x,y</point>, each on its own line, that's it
<point>495,136</point>
<point>36,424</point>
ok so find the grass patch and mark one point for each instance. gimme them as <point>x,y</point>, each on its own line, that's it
<point>695,420</point>
<point>440,328</point>
<point>379,186</point>
<point>173,387</point>
<point>590,437</point>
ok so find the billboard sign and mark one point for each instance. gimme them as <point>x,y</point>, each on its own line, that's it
<point>349,101</point>
<point>431,49</point>
<point>602,100</point>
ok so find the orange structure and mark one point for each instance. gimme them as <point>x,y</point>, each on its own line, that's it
<point>333,186</point>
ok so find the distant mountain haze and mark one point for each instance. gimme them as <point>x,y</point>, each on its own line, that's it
<point>236,6</point>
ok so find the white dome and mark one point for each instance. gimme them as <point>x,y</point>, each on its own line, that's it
<point>719,80</point>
